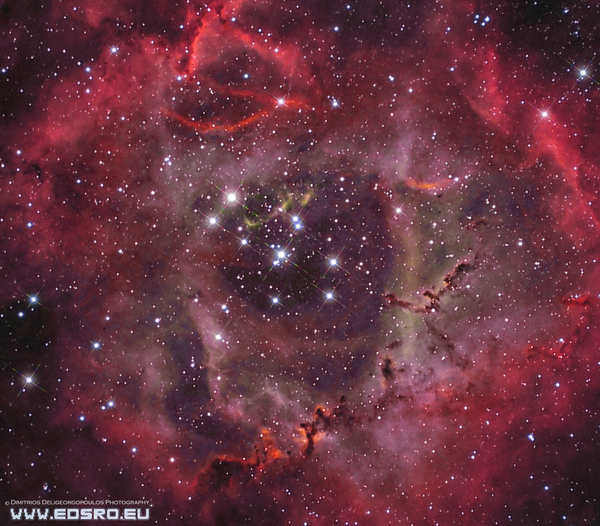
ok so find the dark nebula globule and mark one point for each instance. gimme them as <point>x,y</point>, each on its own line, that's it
<point>309,263</point>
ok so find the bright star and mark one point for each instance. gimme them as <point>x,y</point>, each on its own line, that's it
<point>231,197</point>
<point>28,380</point>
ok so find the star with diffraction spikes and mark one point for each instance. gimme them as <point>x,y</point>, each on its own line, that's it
<point>545,114</point>
<point>28,380</point>
<point>96,345</point>
<point>34,299</point>
<point>583,72</point>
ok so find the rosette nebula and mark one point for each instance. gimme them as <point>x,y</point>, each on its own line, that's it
<point>302,263</point>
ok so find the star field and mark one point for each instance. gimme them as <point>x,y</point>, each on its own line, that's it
<point>307,263</point>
